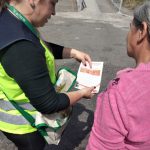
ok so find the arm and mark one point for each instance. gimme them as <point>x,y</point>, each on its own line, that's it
<point>77,95</point>
<point>64,52</point>
<point>57,50</point>
<point>29,69</point>
<point>24,62</point>
<point>110,122</point>
<point>76,54</point>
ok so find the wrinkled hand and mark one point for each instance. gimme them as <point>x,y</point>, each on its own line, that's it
<point>81,56</point>
<point>87,92</point>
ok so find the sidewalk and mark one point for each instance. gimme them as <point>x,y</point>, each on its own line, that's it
<point>62,6</point>
<point>86,30</point>
<point>66,6</point>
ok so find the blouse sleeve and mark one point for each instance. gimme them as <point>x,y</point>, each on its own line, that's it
<point>110,122</point>
<point>57,50</point>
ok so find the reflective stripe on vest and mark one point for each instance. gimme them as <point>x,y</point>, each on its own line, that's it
<point>12,90</point>
<point>17,120</point>
<point>7,106</point>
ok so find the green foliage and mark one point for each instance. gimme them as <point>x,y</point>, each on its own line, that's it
<point>132,3</point>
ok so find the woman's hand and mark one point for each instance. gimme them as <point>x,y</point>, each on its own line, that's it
<point>87,92</point>
<point>78,55</point>
<point>81,56</point>
<point>75,96</point>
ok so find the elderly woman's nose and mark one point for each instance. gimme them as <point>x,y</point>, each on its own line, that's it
<point>54,11</point>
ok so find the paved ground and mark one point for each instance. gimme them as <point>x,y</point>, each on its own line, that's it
<point>99,31</point>
<point>66,6</point>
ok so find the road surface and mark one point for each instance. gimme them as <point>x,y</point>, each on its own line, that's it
<point>100,31</point>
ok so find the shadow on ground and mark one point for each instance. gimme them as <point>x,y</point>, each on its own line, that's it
<point>77,129</point>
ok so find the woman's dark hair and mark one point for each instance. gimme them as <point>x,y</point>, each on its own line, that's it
<point>2,3</point>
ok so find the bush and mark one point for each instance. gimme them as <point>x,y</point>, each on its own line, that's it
<point>132,3</point>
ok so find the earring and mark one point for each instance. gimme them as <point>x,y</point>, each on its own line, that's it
<point>140,34</point>
<point>32,6</point>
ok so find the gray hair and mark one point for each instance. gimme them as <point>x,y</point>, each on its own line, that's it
<point>142,13</point>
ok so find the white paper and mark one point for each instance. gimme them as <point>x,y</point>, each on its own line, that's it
<point>88,77</point>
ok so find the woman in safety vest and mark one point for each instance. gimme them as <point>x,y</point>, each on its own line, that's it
<point>27,70</point>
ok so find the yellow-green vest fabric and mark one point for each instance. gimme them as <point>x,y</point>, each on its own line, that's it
<point>11,120</point>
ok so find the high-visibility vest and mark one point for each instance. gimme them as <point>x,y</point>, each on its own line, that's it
<point>11,120</point>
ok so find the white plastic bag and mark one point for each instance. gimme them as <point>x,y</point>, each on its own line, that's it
<point>54,124</point>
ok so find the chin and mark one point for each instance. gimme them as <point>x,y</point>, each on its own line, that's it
<point>41,25</point>
<point>129,54</point>
<point>36,25</point>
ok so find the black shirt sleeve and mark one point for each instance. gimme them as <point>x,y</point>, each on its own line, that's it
<point>57,50</point>
<point>24,62</point>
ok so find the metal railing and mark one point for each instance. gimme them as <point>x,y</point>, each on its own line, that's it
<point>81,4</point>
<point>118,4</point>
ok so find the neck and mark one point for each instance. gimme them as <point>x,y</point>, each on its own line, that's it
<point>143,56</point>
<point>22,18</point>
<point>23,8</point>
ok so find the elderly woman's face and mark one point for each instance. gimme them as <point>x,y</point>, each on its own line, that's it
<point>131,40</point>
<point>43,12</point>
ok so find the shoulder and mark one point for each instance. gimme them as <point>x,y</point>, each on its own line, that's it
<point>122,77</point>
<point>22,50</point>
<point>13,31</point>
<point>23,46</point>
<point>132,83</point>
<point>124,83</point>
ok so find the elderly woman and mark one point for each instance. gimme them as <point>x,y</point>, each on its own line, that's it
<point>27,70</point>
<point>122,116</point>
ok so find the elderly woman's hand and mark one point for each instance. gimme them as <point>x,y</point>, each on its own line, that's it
<point>78,55</point>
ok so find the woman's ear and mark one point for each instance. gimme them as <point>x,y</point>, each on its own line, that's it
<point>33,3</point>
<point>142,32</point>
